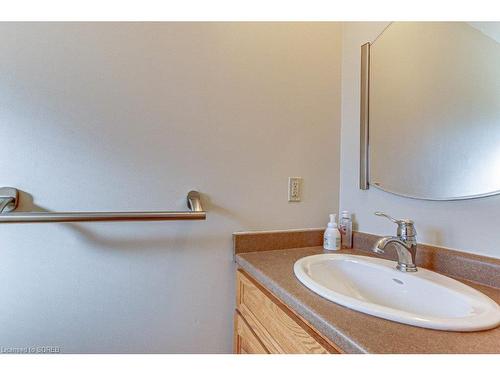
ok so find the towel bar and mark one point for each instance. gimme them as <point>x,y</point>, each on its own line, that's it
<point>9,200</point>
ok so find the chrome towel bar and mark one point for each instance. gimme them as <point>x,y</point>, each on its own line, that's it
<point>9,200</point>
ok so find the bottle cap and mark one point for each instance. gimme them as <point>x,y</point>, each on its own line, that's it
<point>345,214</point>
<point>332,223</point>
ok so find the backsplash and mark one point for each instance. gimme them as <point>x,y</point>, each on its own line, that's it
<point>457,264</point>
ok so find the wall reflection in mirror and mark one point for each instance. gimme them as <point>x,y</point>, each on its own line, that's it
<point>433,103</point>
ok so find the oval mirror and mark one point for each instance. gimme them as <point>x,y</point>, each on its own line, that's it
<point>431,110</point>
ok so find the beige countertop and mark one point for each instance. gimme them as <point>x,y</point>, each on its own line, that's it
<point>353,331</point>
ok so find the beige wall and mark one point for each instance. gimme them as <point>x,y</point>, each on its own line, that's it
<point>130,117</point>
<point>469,225</point>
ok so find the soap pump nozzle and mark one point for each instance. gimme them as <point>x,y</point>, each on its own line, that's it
<point>333,221</point>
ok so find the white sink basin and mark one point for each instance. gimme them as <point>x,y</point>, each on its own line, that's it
<point>374,286</point>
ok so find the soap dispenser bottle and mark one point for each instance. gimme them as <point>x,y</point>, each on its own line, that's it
<point>331,239</point>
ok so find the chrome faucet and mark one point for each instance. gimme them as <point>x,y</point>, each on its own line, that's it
<point>405,243</point>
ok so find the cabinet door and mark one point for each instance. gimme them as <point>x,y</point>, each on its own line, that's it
<point>245,341</point>
<point>276,326</point>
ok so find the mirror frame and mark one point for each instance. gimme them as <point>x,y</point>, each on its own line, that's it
<point>364,119</point>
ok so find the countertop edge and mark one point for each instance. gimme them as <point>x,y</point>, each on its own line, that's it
<point>344,342</point>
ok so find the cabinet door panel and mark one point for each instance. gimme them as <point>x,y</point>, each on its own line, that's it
<point>278,328</point>
<point>245,341</point>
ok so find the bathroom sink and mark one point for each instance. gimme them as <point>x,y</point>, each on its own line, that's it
<point>374,286</point>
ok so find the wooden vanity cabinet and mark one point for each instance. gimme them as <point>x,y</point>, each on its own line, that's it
<point>263,324</point>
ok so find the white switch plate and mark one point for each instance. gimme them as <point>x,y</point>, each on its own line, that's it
<point>294,189</point>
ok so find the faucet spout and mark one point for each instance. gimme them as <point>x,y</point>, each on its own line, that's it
<point>385,241</point>
<point>405,244</point>
<point>406,251</point>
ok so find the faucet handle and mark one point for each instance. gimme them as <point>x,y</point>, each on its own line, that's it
<point>378,213</point>
<point>405,226</point>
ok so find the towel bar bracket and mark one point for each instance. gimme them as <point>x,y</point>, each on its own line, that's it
<point>9,197</point>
